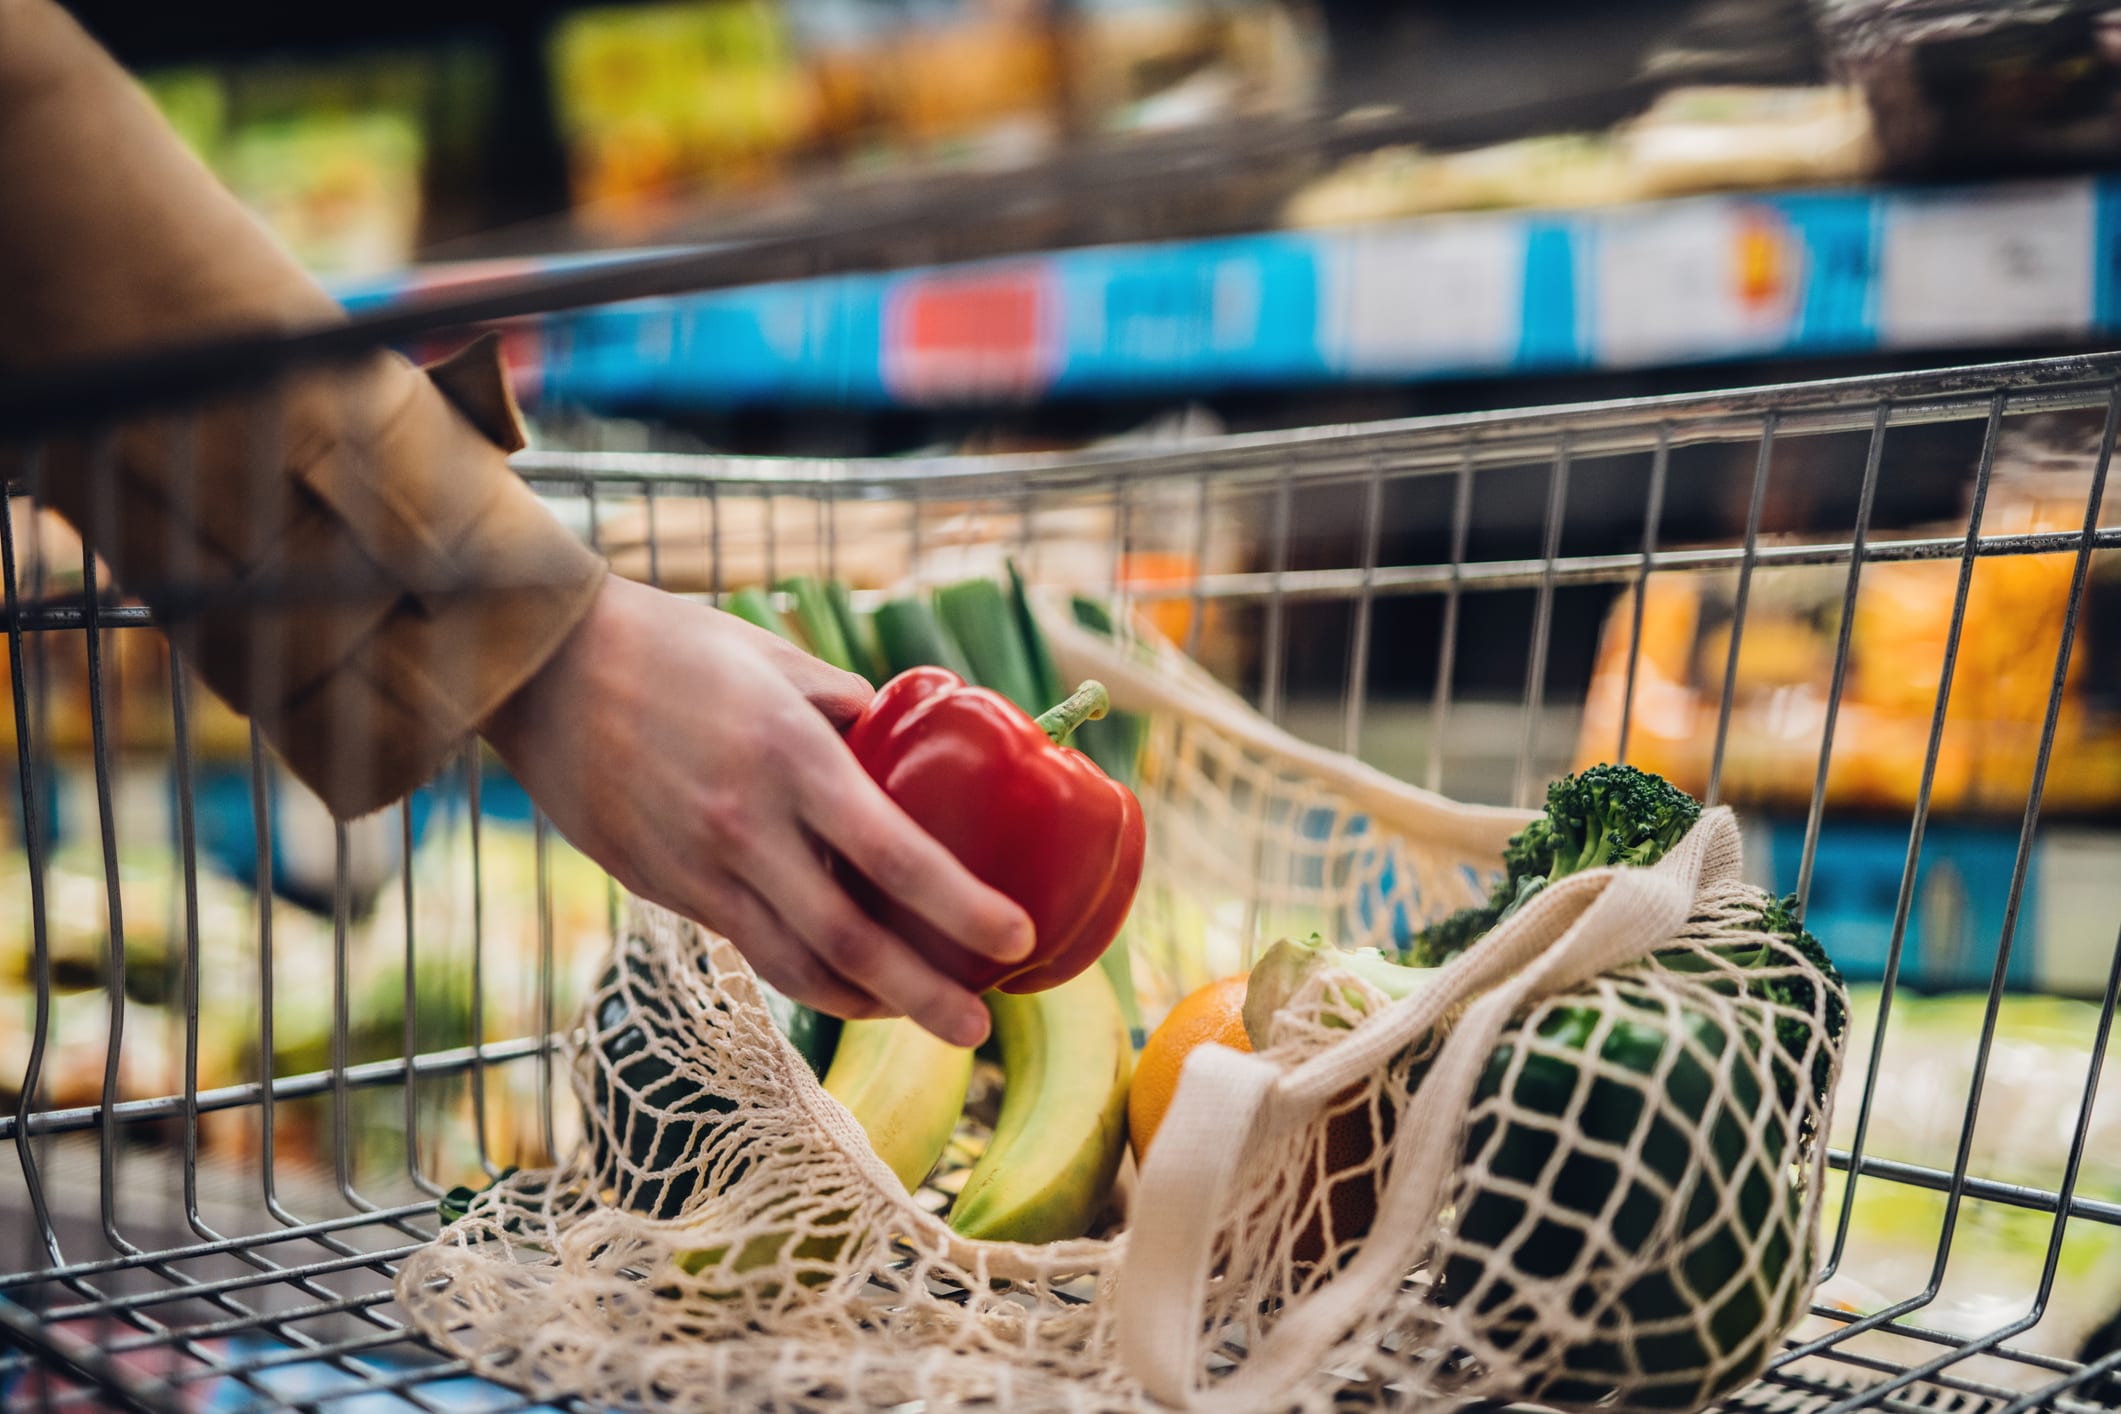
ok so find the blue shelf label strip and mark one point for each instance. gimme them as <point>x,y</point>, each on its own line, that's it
<point>1683,281</point>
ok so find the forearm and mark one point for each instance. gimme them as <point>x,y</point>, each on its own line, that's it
<point>346,555</point>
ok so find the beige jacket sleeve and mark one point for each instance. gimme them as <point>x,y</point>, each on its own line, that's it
<point>345,556</point>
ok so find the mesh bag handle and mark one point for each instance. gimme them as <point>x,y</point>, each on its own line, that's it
<point>1149,675</point>
<point>1229,1106</point>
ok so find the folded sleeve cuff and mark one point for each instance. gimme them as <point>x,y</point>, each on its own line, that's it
<point>415,585</point>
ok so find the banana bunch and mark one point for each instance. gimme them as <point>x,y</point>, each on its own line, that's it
<point>1047,1172</point>
<point>1063,1124</point>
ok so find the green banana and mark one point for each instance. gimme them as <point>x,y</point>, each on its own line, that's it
<point>904,1087</point>
<point>1063,1126</point>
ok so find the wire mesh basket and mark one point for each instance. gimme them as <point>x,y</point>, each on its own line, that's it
<point>249,1047</point>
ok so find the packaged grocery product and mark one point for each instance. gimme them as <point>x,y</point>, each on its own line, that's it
<point>937,80</point>
<point>2015,612</point>
<point>658,103</point>
<point>1143,64</point>
<point>1959,86</point>
<point>1560,170</point>
<point>1732,138</point>
<point>1692,140</point>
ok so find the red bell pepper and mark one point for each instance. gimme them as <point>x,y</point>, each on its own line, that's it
<point>1028,815</point>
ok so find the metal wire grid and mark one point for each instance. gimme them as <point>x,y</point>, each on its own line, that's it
<point>314,1279</point>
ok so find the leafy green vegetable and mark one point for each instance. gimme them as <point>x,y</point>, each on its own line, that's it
<point>1114,743</point>
<point>1605,815</point>
<point>1782,985</point>
<point>859,633</point>
<point>1045,676</point>
<point>457,1201</point>
<point>1556,1095</point>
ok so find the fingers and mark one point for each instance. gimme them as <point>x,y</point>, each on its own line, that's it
<point>785,871</point>
<point>850,812</point>
<point>840,695</point>
<point>782,959</point>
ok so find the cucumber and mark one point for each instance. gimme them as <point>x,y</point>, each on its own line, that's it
<point>1115,743</point>
<point>1045,677</point>
<point>911,636</point>
<point>753,607</point>
<point>820,626</point>
<point>859,632</point>
<point>979,617</point>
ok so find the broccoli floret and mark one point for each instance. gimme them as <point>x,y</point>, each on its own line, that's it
<point>1603,815</point>
<point>1528,855</point>
<point>1447,937</point>
<point>1615,815</point>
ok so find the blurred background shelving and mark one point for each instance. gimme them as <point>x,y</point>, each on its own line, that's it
<point>1628,288</point>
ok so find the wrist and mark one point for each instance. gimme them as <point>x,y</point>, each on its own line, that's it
<point>519,714</point>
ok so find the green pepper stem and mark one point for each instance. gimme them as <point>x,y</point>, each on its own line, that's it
<point>1086,704</point>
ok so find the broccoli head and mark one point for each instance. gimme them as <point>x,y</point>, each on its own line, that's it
<point>1604,815</point>
<point>1614,815</point>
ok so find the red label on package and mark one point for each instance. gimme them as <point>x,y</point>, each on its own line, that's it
<point>982,335</point>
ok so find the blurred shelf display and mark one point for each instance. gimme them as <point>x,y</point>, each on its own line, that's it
<point>368,134</point>
<point>2064,939</point>
<point>364,140</point>
<point>1976,86</point>
<point>1784,671</point>
<point>1637,285</point>
<point>1715,138</point>
<point>479,901</point>
<point>351,159</point>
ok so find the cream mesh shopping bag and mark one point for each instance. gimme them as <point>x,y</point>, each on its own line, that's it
<point>1577,1165</point>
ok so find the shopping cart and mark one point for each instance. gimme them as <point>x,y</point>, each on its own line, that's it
<point>232,1113</point>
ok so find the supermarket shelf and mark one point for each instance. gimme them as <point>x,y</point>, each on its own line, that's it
<point>1627,287</point>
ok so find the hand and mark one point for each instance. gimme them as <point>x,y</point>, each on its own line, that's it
<point>698,759</point>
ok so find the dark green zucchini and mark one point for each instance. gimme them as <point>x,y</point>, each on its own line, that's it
<point>654,1177</point>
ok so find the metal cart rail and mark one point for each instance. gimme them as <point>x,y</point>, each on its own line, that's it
<point>1339,576</point>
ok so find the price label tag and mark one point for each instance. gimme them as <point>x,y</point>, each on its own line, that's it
<point>1439,295</point>
<point>992,332</point>
<point>1700,279</point>
<point>2004,264</point>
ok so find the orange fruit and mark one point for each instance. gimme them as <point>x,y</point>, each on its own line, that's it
<point>1215,1013</point>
